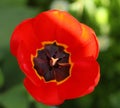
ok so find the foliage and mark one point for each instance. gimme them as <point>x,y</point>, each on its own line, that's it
<point>102,15</point>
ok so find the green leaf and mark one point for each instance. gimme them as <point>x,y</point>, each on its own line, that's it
<point>11,70</point>
<point>85,101</point>
<point>39,105</point>
<point>1,78</point>
<point>14,98</point>
<point>115,100</point>
<point>10,18</point>
<point>15,3</point>
<point>101,16</point>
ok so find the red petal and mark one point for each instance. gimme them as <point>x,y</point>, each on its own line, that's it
<point>24,61</point>
<point>84,77</point>
<point>62,27</point>
<point>23,44</point>
<point>45,26</point>
<point>24,34</point>
<point>91,47</point>
<point>46,93</point>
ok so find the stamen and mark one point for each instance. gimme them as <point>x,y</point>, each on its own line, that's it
<point>52,63</point>
<point>63,64</point>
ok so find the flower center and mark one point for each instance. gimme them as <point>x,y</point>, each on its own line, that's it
<point>52,63</point>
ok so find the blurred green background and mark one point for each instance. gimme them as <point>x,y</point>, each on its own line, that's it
<point>101,15</point>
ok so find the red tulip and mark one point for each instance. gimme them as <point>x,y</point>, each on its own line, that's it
<point>58,56</point>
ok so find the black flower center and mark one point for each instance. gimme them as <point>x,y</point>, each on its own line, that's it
<point>52,63</point>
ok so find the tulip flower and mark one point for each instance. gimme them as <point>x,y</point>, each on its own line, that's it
<point>58,56</point>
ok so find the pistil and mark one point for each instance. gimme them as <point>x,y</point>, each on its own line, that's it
<point>53,61</point>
